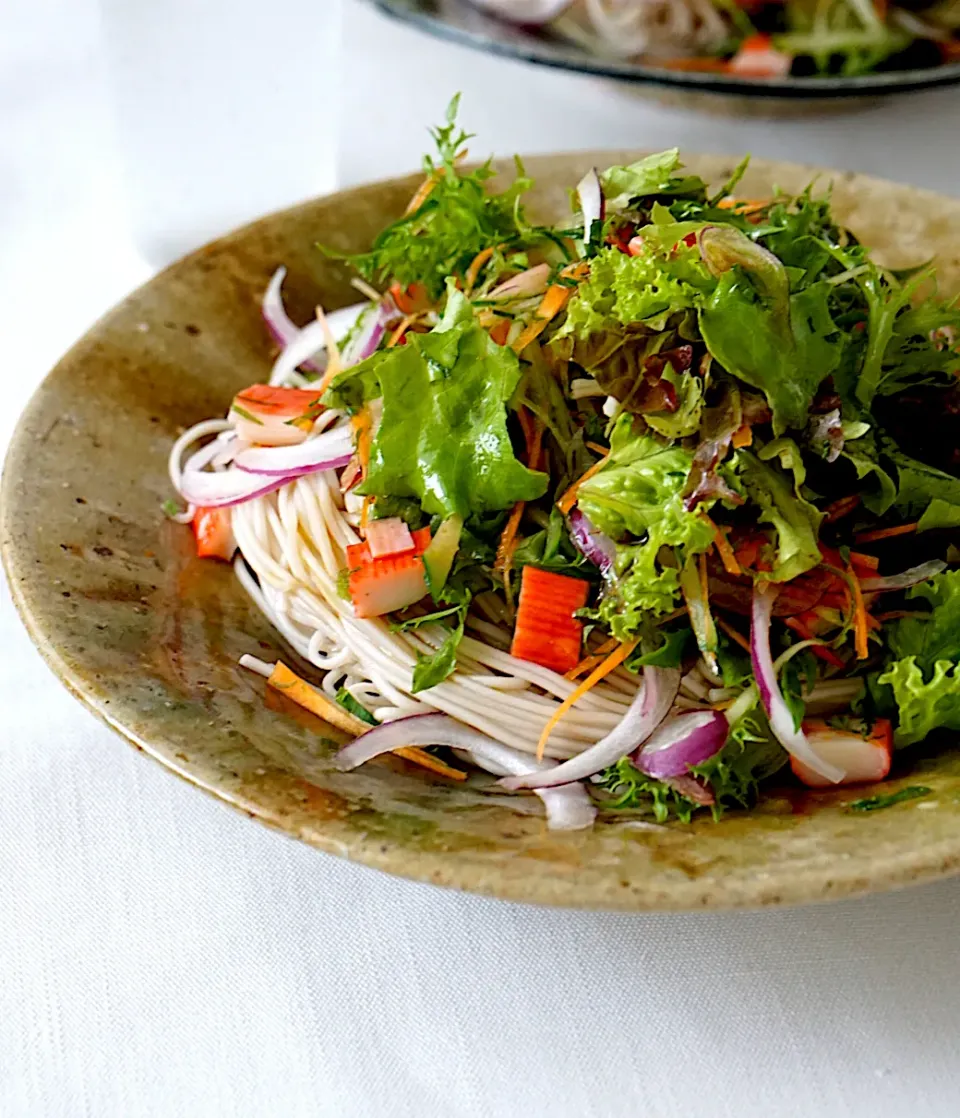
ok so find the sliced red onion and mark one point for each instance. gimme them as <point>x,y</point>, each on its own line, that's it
<point>682,743</point>
<point>568,808</point>
<point>794,741</point>
<point>693,789</point>
<point>368,338</point>
<point>903,580</point>
<point>309,342</point>
<point>591,542</point>
<point>278,321</point>
<point>531,282</point>
<point>590,195</point>
<point>329,451</point>
<point>650,707</point>
<point>231,487</point>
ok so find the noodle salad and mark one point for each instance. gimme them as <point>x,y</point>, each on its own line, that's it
<point>633,512</point>
<point>753,38</point>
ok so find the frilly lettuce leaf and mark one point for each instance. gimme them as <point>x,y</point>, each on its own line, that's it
<point>633,291</point>
<point>443,434</point>
<point>924,706</point>
<point>654,175</point>
<point>638,494</point>
<point>785,345</point>
<point>936,637</point>
<point>793,518</point>
<point>685,419</point>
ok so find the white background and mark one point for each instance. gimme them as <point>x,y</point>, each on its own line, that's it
<point>161,956</point>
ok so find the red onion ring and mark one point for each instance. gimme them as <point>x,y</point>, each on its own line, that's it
<point>321,453</point>
<point>650,707</point>
<point>794,741</point>
<point>905,579</point>
<point>683,742</point>
<point>231,487</point>
<point>568,808</point>
<point>590,542</point>
<point>279,323</point>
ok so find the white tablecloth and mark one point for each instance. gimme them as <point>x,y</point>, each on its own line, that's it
<point>162,956</point>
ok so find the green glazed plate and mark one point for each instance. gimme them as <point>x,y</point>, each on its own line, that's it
<point>149,637</point>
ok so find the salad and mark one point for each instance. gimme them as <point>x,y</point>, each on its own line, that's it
<point>636,512</point>
<point>753,38</point>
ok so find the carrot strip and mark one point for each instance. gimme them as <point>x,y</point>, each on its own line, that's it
<point>886,533</point>
<point>334,363</point>
<point>475,265</point>
<point>282,679</point>
<point>551,305</point>
<point>577,271</point>
<point>424,190</point>
<point>362,424</point>
<point>526,425</point>
<point>603,451</point>
<point>405,323</point>
<point>724,550</point>
<point>569,499</point>
<point>819,649</point>
<point>365,513</point>
<point>743,436</point>
<point>860,630</point>
<point>596,657</point>
<point>613,661</point>
<point>859,559</point>
<point>840,508</point>
<point>733,634</point>
<point>508,540</point>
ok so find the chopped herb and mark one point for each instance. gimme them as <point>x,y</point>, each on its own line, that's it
<point>358,710</point>
<point>877,803</point>
<point>171,508</point>
<point>244,414</point>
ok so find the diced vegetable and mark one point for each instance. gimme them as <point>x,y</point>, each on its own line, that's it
<point>439,556</point>
<point>546,632</point>
<point>272,416</point>
<point>411,299</point>
<point>389,536</point>
<point>213,529</point>
<point>757,58</point>
<point>863,756</point>
<point>392,582</point>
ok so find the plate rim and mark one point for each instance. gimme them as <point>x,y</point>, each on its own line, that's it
<point>911,866</point>
<point>834,88</point>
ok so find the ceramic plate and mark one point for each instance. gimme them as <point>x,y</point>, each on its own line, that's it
<point>149,637</point>
<point>460,22</point>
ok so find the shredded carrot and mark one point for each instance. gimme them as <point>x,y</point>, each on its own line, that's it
<point>569,499</point>
<point>475,265</point>
<point>886,533</point>
<point>533,433</point>
<point>724,550</point>
<point>733,634</point>
<point>362,424</point>
<point>598,449</point>
<point>743,436</point>
<point>334,364</point>
<point>500,331</point>
<point>405,323</point>
<point>613,661</point>
<point>299,691</point>
<point>550,306</point>
<point>743,205</point>
<point>869,562</point>
<point>526,425</point>
<point>424,190</point>
<point>577,271</point>
<point>820,649</point>
<point>860,629</point>
<point>840,508</point>
<point>365,513</point>
<point>596,657</point>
